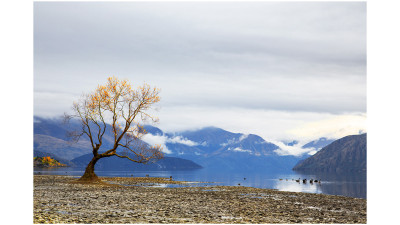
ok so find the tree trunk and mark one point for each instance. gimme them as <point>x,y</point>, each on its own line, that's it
<point>89,175</point>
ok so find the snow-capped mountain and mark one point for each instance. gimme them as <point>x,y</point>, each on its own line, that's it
<point>216,148</point>
<point>210,147</point>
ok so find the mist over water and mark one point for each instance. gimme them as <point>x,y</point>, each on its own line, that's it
<point>345,184</point>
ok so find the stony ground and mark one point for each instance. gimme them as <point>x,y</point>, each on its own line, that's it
<point>58,200</point>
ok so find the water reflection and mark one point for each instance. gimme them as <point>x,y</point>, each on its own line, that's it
<point>346,184</point>
<point>337,176</point>
<point>353,184</point>
<point>294,186</point>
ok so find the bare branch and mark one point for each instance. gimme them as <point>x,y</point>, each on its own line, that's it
<point>117,105</point>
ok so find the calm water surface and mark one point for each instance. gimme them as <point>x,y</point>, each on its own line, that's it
<point>346,184</point>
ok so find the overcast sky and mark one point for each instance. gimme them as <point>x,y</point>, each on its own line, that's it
<point>282,70</point>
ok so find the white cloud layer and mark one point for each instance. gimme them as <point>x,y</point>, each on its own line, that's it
<point>181,140</point>
<point>239,149</point>
<point>270,125</point>
<point>282,70</point>
<point>163,140</point>
<point>234,140</point>
<point>295,150</point>
<point>157,140</point>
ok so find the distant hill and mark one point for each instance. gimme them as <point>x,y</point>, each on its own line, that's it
<point>345,154</point>
<point>209,147</point>
<point>318,144</point>
<point>50,136</point>
<point>59,159</point>
<point>119,164</point>
<point>46,162</point>
<point>218,149</point>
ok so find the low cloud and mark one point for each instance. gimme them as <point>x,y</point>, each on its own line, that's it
<point>157,140</point>
<point>239,149</point>
<point>229,142</point>
<point>181,140</point>
<point>312,152</point>
<point>163,140</point>
<point>235,141</point>
<point>271,125</point>
<point>244,136</point>
<point>295,150</point>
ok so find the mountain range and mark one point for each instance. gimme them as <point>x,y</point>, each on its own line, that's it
<point>209,147</point>
<point>215,148</point>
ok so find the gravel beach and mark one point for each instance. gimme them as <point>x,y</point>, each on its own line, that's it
<point>57,199</point>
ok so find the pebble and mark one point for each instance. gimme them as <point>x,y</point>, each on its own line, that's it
<point>104,203</point>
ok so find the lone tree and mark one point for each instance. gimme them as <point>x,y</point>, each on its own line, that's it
<point>117,107</point>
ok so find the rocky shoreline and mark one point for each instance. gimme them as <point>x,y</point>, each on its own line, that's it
<point>57,199</point>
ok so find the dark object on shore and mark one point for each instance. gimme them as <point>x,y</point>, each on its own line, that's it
<point>311,181</point>
<point>304,181</point>
<point>170,177</point>
<point>239,184</point>
<point>298,181</point>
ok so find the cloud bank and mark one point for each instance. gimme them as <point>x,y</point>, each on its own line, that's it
<point>268,68</point>
<point>295,150</point>
<point>163,140</point>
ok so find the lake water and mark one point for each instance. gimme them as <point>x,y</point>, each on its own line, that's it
<point>346,184</point>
